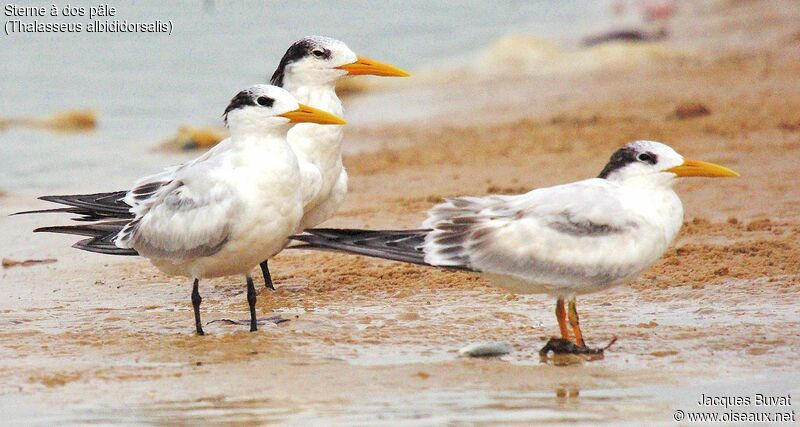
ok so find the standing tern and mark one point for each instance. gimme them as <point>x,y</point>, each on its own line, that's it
<point>216,215</point>
<point>309,70</point>
<point>566,240</point>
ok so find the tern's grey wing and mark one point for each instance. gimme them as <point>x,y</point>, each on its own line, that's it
<point>149,189</point>
<point>188,217</point>
<point>565,234</point>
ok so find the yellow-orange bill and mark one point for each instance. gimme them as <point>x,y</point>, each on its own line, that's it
<point>368,66</point>
<point>306,114</point>
<point>698,168</point>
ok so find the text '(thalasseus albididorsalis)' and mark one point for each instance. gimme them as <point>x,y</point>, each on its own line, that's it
<point>309,70</point>
<point>565,240</point>
<point>216,215</point>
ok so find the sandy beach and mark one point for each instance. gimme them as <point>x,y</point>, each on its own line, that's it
<point>93,339</point>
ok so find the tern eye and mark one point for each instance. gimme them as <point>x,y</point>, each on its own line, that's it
<point>647,158</point>
<point>319,53</point>
<point>265,101</point>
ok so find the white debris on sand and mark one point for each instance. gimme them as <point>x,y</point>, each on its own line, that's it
<point>485,349</point>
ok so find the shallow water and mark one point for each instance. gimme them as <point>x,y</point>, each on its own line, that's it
<point>562,404</point>
<point>144,86</point>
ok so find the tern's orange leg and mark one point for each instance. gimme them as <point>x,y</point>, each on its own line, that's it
<point>572,313</point>
<point>561,316</point>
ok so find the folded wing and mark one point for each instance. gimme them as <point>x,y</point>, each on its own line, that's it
<point>185,216</point>
<point>575,232</point>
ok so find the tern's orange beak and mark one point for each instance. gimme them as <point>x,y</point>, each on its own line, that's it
<point>698,168</point>
<point>367,66</point>
<point>306,114</point>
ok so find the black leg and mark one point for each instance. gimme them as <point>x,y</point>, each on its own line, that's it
<point>251,300</point>
<point>267,276</point>
<point>196,300</point>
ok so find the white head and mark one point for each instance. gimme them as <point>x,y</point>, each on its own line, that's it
<point>321,61</point>
<point>265,108</point>
<point>656,163</point>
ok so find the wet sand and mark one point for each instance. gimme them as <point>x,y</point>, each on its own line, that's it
<point>109,340</point>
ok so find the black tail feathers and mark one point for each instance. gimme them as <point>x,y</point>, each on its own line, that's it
<point>108,204</point>
<point>101,236</point>
<point>86,215</point>
<point>107,207</point>
<point>91,207</point>
<point>396,245</point>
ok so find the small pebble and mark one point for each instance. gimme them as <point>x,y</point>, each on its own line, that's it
<point>485,349</point>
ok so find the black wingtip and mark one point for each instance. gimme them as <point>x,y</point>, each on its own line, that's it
<point>396,245</point>
<point>61,229</point>
<point>53,199</point>
<point>30,212</point>
<point>91,230</point>
<point>90,245</point>
<point>36,211</point>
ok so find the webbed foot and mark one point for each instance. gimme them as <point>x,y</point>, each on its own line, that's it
<point>561,347</point>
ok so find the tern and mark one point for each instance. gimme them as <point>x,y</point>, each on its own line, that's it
<point>309,70</point>
<point>216,215</point>
<point>567,240</point>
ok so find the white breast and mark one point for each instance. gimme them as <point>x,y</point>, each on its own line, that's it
<point>319,151</point>
<point>257,182</point>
